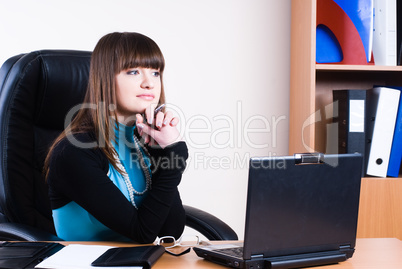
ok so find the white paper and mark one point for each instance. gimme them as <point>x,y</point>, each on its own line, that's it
<point>356,116</point>
<point>76,256</point>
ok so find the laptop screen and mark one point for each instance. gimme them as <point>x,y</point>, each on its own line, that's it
<point>296,206</point>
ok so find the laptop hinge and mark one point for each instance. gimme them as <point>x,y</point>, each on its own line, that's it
<point>259,256</point>
<point>343,247</point>
<point>309,158</point>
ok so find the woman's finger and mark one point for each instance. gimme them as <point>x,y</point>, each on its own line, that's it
<point>139,118</point>
<point>168,117</point>
<point>159,119</point>
<point>149,114</point>
<point>174,122</point>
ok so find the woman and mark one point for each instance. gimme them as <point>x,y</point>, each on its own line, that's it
<point>104,184</point>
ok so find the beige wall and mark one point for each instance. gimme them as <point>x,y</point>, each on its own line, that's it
<point>227,72</point>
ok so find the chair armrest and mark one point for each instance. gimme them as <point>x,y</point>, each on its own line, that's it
<point>208,225</point>
<point>23,232</point>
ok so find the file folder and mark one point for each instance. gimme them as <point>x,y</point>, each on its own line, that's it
<point>383,109</point>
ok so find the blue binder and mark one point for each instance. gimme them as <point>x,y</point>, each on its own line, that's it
<point>395,157</point>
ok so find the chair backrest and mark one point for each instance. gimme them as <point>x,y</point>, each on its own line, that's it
<point>37,90</point>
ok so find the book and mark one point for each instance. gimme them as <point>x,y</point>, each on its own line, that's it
<point>26,254</point>
<point>382,107</point>
<point>350,114</point>
<point>384,33</point>
<point>399,32</point>
<point>144,256</point>
<point>344,31</point>
<point>395,157</point>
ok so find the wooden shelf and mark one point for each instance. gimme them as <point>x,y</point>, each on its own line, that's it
<point>341,67</point>
<point>311,86</point>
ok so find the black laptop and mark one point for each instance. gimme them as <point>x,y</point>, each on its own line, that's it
<point>301,211</point>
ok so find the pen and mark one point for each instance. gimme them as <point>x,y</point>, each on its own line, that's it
<point>159,108</point>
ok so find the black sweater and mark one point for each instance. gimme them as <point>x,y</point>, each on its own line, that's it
<point>80,175</point>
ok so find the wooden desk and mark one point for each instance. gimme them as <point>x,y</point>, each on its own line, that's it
<point>371,253</point>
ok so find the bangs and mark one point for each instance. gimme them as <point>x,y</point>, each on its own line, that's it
<point>136,50</point>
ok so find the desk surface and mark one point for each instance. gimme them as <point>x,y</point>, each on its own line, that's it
<point>371,253</point>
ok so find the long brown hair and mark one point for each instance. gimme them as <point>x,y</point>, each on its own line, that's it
<point>113,53</point>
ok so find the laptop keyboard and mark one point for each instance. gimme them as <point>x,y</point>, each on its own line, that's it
<point>234,252</point>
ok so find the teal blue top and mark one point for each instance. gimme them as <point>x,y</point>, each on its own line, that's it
<point>72,222</point>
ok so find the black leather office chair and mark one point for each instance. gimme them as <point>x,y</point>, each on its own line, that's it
<point>36,92</point>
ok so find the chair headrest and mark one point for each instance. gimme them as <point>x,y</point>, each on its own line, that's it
<point>46,84</point>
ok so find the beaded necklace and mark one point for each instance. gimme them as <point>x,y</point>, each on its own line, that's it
<point>132,192</point>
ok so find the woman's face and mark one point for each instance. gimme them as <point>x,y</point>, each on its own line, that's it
<point>136,89</point>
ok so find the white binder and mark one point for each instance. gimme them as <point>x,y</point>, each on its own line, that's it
<point>384,34</point>
<point>384,107</point>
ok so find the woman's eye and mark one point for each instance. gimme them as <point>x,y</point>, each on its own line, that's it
<point>133,72</point>
<point>156,74</point>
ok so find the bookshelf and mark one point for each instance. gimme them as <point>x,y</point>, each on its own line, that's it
<point>311,85</point>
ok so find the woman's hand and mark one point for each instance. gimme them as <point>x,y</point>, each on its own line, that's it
<point>160,129</point>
